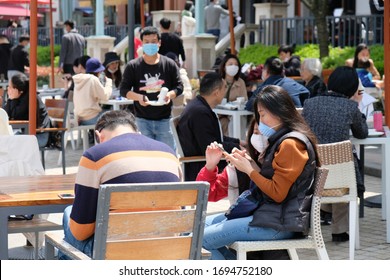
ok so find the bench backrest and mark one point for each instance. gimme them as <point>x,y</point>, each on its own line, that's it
<point>56,109</point>
<point>150,221</point>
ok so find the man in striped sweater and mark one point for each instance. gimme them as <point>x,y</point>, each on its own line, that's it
<point>123,156</point>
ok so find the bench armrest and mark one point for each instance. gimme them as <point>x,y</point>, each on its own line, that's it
<point>57,241</point>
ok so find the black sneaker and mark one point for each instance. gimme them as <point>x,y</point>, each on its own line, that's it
<point>326,218</point>
<point>340,237</point>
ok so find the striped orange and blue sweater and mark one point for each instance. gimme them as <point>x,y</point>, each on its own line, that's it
<point>127,158</point>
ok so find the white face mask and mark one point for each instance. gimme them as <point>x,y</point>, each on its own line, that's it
<point>112,71</point>
<point>259,142</point>
<point>231,70</point>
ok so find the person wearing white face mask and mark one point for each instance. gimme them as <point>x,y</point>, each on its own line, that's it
<point>230,70</point>
<point>364,66</point>
<point>112,64</point>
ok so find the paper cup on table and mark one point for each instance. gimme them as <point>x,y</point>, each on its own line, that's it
<point>45,87</point>
<point>224,101</point>
<point>240,100</point>
<point>163,93</point>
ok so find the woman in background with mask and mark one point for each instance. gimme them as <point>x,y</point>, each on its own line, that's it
<point>283,177</point>
<point>230,70</point>
<point>364,66</point>
<point>112,64</point>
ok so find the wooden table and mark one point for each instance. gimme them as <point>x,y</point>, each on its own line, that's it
<point>31,195</point>
<point>23,125</point>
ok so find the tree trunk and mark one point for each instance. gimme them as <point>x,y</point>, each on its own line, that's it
<point>319,9</point>
<point>323,37</point>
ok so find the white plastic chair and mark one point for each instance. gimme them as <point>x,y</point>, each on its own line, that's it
<point>340,187</point>
<point>313,240</point>
<point>20,156</point>
<point>72,125</point>
<point>5,128</point>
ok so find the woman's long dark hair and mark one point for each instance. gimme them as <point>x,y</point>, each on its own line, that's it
<point>358,49</point>
<point>116,77</point>
<point>251,150</point>
<point>277,101</point>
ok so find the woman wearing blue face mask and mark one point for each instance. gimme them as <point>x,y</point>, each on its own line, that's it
<point>230,70</point>
<point>284,179</point>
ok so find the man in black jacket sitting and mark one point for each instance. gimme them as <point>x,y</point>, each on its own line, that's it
<point>199,125</point>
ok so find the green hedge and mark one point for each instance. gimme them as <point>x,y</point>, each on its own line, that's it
<point>258,53</point>
<point>43,55</point>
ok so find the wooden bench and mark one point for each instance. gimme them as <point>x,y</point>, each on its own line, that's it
<point>35,226</point>
<point>149,221</point>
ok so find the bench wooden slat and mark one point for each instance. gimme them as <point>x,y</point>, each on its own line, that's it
<point>130,216</point>
<point>139,225</point>
<point>150,249</point>
<point>152,199</point>
<point>34,225</point>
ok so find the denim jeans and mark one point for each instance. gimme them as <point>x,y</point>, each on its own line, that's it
<point>85,246</point>
<point>91,121</point>
<point>157,130</point>
<point>43,139</point>
<point>220,232</point>
<point>214,32</point>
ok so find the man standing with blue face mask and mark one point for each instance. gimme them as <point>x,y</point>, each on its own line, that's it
<point>142,81</point>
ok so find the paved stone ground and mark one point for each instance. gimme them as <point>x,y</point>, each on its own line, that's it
<point>373,244</point>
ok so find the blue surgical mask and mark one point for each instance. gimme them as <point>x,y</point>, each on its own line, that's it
<point>266,130</point>
<point>150,49</point>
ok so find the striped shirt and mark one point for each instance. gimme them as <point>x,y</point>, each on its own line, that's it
<point>127,158</point>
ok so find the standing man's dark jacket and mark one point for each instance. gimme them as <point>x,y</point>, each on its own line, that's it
<point>5,52</point>
<point>18,59</point>
<point>72,47</point>
<point>170,42</point>
<point>197,128</point>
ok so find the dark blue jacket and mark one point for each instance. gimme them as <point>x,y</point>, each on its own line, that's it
<point>293,88</point>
